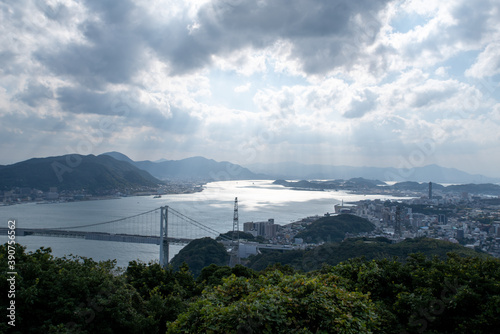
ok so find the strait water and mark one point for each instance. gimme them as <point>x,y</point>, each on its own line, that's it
<point>257,201</point>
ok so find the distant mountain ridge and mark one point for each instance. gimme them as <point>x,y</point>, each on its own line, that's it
<point>194,168</point>
<point>95,174</point>
<point>434,173</point>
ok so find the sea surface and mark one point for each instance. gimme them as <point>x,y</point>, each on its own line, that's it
<point>258,200</point>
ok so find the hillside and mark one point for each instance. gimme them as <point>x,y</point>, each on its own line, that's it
<point>379,248</point>
<point>201,253</point>
<point>194,168</point>
<point>334,228</point>
<point>95,174</point>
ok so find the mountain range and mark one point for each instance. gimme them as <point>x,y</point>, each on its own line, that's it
<point>434,173</point>
<point>195,168</point>
<point>114,170</point>
<point>73,172</point>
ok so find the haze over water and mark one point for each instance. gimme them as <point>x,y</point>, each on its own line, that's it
<point>258,201</point>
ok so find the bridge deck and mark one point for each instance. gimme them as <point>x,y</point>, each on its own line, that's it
<point>142,239</point>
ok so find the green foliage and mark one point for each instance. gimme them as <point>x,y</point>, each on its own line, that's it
<point>421,294</point>
<point>456,295</point>
<point>200,253</point>
<point>213,275</point>
<point>378,248</point>
<point>334,228</point>
<point>242,235</point>
<point>277,303</point>
<point>71,295</point>
<point>165,293</point>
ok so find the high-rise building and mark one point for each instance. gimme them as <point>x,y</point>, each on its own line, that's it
<point>266,229</point>
<point>430,190</point>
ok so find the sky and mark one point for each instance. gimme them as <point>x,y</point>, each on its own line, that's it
<point>360,83</point>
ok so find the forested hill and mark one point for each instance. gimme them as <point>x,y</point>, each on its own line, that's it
<point>334,228</point>
<point>378,248</point>
<point>75,172</point>
<point>199,254</point>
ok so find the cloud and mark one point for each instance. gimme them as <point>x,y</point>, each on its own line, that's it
<point>35,93</point>
<point>368,79</point>
<point>243,88</point>
<point>128,108</point>
<point>112,50</point>
<point>487,63</point>
<point>360,106</point>
<point>323,35</point>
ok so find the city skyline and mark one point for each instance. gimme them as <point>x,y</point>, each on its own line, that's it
<point>369,83</point>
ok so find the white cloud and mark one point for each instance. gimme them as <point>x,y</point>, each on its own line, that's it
<point>487,63</point>
<point>243,88</point>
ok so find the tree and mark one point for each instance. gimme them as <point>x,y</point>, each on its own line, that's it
<point>165,293</point>
<point>73,294</point>
<point>200,253</point>
<point>214,275</point>
<point>456,295</point>
<point>277,303</point>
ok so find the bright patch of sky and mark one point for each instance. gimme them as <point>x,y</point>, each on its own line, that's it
<point>407,21</point>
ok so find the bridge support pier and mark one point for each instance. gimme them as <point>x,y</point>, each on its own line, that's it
<point>164,245</point>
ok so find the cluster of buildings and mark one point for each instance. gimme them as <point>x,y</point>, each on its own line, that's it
<point>267,229</point>
<point>473,221</point>
<point>25,194</point>
<point>53,194</point>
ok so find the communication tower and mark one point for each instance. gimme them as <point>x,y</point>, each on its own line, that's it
<point>235,240</point>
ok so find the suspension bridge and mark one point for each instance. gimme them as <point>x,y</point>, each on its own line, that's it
<point>161,226</point>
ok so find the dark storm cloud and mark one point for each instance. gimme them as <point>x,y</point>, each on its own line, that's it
<point>34,94</point>
<point>118,35</point>
<point>324,34</point>
<point>113,50</point>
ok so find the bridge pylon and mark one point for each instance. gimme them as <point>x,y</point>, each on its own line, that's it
<point>164,244</point>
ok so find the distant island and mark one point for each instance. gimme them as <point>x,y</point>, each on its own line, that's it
<point>364,186</point>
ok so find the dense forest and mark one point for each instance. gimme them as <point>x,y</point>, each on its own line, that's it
<point>334,228</point>
<point>455,294</point>
<point>370,248</point>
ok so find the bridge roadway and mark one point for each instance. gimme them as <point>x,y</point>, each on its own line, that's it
<point>141,239</point>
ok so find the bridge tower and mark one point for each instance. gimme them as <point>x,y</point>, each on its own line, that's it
<point>164,237</point>
<point>235,240</point>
